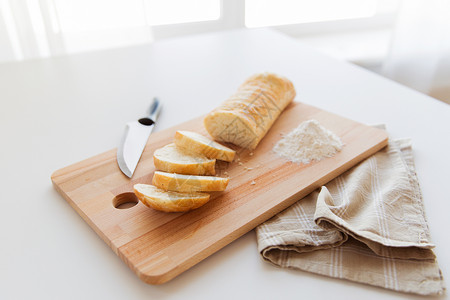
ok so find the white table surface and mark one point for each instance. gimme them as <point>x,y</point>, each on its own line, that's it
<point>58,111</point>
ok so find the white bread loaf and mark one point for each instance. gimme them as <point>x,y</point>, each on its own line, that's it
<point>188,183</point>
<point>195,142</point>
<point>249,113</point>
<point>162,200</point>
<point>173,159</point>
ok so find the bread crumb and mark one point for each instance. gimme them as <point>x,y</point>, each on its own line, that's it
<point>247,168</point>
<point>225,173</point>
<point>251,154</point>
<point>240,163</point>
<point>253,182</point>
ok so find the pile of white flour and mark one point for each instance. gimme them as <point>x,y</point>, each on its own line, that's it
<point>310,141</point>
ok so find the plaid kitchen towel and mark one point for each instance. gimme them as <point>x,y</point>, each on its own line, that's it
<point>367,225</point>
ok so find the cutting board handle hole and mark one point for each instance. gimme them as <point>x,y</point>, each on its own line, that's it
<point>125,200</point>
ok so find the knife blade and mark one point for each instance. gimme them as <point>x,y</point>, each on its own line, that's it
<point>135,138</point>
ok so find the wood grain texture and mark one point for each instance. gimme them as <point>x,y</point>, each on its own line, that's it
<point>158,246</point>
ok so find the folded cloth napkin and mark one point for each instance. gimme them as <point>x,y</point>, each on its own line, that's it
<point>367,225</point>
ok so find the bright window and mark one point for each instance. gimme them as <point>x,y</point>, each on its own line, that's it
<point>260,13</point>
<point>86,15</point>
<point>181,11</point>
<point>42,28</point>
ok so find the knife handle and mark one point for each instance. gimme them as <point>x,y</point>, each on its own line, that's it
<point>155,109</point>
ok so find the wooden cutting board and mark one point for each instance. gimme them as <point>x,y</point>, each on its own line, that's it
<point>158,246</point>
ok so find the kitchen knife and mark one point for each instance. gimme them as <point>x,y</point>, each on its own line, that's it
<point>135,138</point>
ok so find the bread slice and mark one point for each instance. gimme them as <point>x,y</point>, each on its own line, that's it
<point>173,159</point>
<point>162,200</point>
<point>189,183</point>
<point>198,143</point>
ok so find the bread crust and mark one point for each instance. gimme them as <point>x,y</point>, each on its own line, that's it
<point>195,142</point>
<point>189,183</point>
<point>194,164</point>
<point>161,200</point>
<point>246,117</point>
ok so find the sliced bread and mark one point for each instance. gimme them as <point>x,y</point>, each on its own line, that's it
<point>189,183</point>
<point>167,201</point>
<point>198,143</point>
<point>173,159</point>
